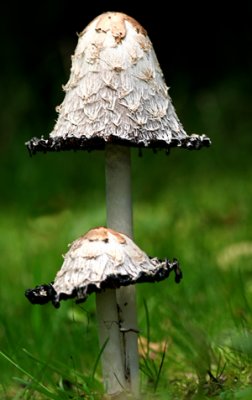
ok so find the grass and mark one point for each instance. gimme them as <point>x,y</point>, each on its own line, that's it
<point>196,337</point>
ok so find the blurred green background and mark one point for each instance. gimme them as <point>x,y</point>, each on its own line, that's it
<point>195,206</point>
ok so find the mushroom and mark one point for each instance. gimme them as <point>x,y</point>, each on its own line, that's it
<point>101,260</point>
<point>116,94</point>
<point>116,98</point>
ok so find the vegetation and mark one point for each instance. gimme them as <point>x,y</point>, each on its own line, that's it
<point>196,337</point>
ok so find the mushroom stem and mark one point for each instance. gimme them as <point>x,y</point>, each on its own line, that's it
<point>109,336</point>
<point>119,217</point>
<point>118,189</point>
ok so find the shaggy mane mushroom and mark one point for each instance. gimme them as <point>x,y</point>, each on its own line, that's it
<point>97,262</point>
<point>116,98</point>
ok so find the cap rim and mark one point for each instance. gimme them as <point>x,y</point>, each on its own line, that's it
<point>69,142</point>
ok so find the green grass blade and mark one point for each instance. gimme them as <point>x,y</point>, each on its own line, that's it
<point>40,387</point>
<point>147,316</point>
<point>98,358</point>
<point>160,368</point>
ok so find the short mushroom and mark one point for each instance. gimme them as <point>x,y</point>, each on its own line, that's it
<point>103,259</point>
<point>116,98</point>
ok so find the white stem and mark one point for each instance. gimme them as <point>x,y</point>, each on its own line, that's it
<point>126,300</point>
<point>119,217</point>
<point>109,335</point>
<point>118,189</point>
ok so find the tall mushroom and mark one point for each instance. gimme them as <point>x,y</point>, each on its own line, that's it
<point>116,98</point>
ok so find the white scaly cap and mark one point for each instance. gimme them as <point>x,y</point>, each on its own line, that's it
<point>101,259</point>
<point>116,93</point>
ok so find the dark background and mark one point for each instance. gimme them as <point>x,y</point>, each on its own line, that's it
<point>204,51</point>
<point>192,205</point>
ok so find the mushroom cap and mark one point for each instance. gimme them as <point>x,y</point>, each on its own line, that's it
<point>116,93</point>
<point>102,258</point>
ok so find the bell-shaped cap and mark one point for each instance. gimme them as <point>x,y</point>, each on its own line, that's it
<point>101,259</point>
<point>116,93</point>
